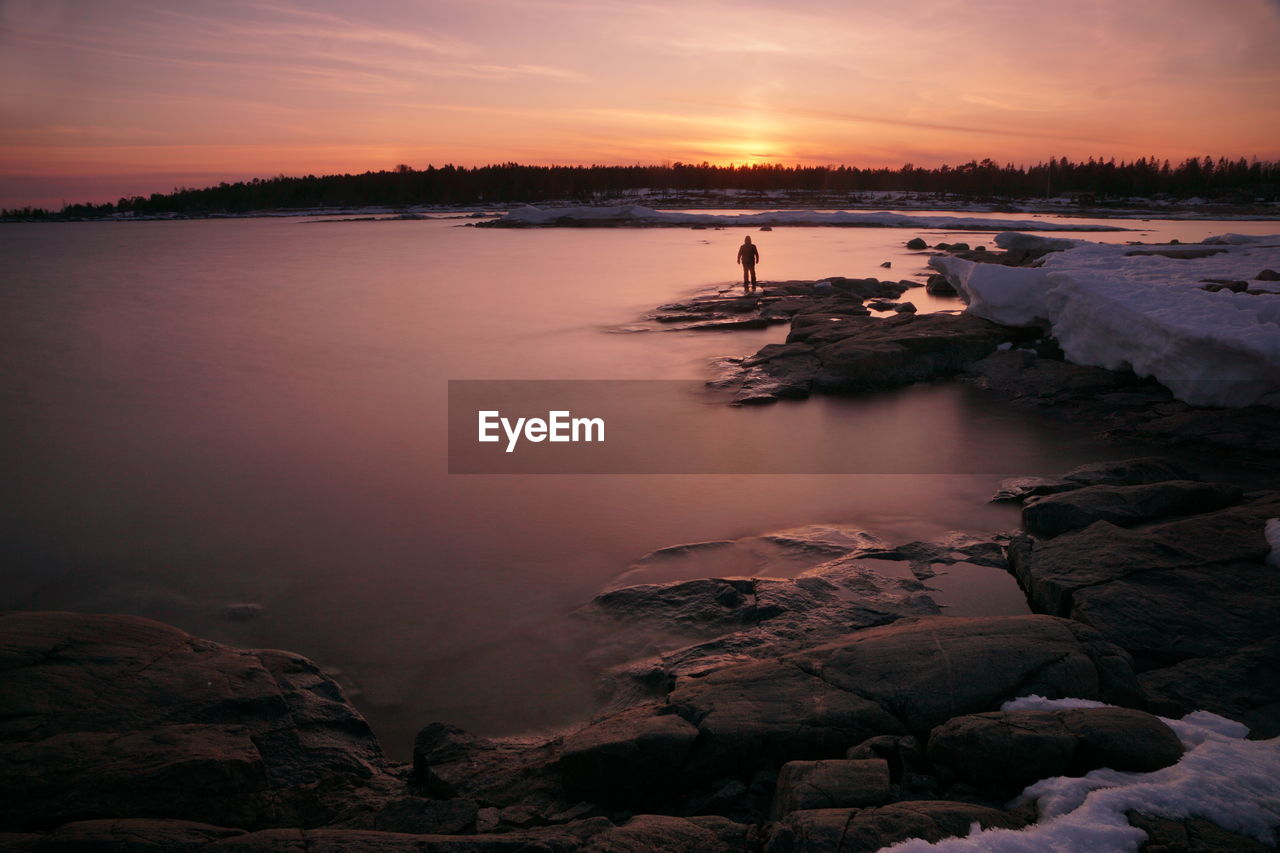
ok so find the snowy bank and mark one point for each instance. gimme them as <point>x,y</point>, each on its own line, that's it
<point>1223,777</point>
<point>1128,307</point>
<point>634,215</point>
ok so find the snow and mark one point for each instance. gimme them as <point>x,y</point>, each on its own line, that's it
<point>638,215</point>
<point>1110,308</point>
<point>1273,539</point>
<point>1223,777</point>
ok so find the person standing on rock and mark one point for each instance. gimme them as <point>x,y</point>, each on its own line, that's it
<point>748,255</point>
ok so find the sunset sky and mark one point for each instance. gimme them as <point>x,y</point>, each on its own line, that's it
<point>102,98</point>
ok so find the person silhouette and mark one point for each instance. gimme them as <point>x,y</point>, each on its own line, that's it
<point>748,255</point>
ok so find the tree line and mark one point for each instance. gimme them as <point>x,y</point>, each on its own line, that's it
<point>1094,181</point>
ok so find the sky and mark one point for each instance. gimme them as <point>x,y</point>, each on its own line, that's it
<point>105,98</point>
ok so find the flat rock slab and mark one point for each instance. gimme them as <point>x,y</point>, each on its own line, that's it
<point>835,351</point>
<point>1002,752</point>
<point>870,829</point>
<point>906,677</point>
<point>1125,506</point>
<point>1124,472</point>
<point>119,716</point>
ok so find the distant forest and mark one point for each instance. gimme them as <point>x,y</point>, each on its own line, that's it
<point>1094,181</point>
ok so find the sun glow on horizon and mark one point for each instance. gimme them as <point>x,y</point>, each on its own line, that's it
<point>137,96</point>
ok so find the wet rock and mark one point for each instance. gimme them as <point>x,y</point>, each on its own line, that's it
<point>626,758</point>
<point>917,244</point>
<point>1125,472</point>
<point>905,308</point>
<point>897,350</point>
<point>834,783</point>
<point>131,718</point>
<point>940,285</point>
<point>1267,275</point>
<point>1125,506</point>
<point>870,829</point>
<point>1000,753</point>
<point>819,702</point>
<point>866,288</point>
<point>1024,374</point>
<point>241,612</point>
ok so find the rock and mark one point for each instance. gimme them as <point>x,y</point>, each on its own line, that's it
<point>487,819</point>
<point>1021,488</point>
<point>917,244</point>
<point>1129,472</point>
<point>939,284</point>
<point>1024,374</point>
<point>897,350</point>
<point>834,783</point>
<point>958,247</point>
<point>866,830</point>
<point>866,288</point>
<point>903,754</point>
<point>905,308</point>
<point>1243,685</point>
<point>1125,506</point>
<point>1002,752</point>
<point>626,759</point>
<point>882,305</point>
<point>906,677</point>
<point>777,371</point>
<point>426,817</point>
<point>645,833</point>
<point>887,264</point>
<point>130,718</point>
<point>1192,587</point>
<point>242,612</point>
<point>1190,835</point>
<point>1267,275</point>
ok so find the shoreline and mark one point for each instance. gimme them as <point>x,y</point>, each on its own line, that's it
<point>803,712</point>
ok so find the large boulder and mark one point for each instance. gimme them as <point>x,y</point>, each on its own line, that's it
<point>871,829</point>
<point>1002,752</point>
<point>1125,506</point>
<point>1187,588</point>
<point>119,716</point>
<point>906,677</point>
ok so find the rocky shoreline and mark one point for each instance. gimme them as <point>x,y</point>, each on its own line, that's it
<point>834,709</point>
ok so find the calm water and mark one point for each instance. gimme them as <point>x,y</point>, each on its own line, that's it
<point>205,413</point>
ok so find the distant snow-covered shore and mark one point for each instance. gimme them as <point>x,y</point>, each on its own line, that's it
<point>635,215</point>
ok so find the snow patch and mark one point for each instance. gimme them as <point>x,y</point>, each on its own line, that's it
<point>638,215</point>
<point>1222,777</point>
<point>1144,312</point>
